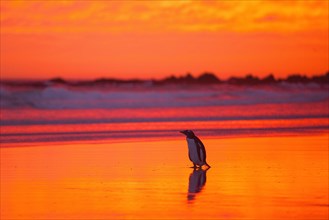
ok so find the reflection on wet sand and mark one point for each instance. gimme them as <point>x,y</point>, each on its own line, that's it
<point>197,180</point>
<point>251,178</point>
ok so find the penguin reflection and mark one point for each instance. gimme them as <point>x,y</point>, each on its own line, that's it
<point>197,180</point>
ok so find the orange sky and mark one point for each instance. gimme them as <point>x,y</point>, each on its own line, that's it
<point>153,39</point>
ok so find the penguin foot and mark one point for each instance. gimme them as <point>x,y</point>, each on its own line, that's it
<point>205,167</point>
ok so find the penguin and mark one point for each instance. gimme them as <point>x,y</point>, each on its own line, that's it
<point>196,149</point>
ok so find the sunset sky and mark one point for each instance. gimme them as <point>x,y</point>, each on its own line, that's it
<point>154,39</point>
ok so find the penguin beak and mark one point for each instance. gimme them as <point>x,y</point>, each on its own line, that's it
<point>183,132</point>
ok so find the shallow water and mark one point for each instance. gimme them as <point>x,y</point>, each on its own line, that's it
<point>28,125</point>
<point>67,113</point>
<point>250,178</point>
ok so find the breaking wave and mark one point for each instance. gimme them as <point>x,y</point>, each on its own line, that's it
<point>53,97</point>
<point>67,113</point>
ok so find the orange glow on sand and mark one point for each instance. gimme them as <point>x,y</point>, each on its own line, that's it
<point>109,181</point>
<point>147,39</point>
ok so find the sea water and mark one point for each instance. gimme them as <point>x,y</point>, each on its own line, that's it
<point>64,113</point>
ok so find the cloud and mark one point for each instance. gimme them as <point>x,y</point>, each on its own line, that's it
<point>163,16</point>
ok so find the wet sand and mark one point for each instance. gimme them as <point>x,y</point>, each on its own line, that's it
<point>250,178</point>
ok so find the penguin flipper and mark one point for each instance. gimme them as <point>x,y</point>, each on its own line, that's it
<point>202,149</point>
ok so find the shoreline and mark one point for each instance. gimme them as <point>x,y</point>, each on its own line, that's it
<point>167,138</point>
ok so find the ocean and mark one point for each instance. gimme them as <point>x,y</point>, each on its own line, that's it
<point>67,113</point>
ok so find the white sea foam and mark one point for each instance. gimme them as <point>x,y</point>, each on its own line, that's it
<point>72,98</point>
<point>67,113</point>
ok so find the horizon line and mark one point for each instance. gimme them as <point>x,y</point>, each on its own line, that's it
<point>168,76</point>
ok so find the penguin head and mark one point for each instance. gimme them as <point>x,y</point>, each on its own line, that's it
<point>188,133</point>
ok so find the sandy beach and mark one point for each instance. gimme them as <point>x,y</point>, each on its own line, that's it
<point>251,178</point>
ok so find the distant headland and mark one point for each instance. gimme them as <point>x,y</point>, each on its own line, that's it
<point>206,78</point>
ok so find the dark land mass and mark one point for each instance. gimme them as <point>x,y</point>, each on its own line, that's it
<point>206,78</point>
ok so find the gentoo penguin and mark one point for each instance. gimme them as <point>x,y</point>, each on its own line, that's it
<point>196,150</point>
